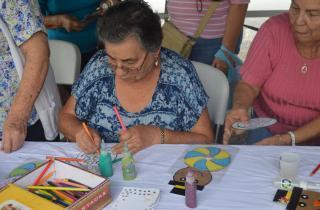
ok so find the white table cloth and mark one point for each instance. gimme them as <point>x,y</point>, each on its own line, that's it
<point>246,184</point>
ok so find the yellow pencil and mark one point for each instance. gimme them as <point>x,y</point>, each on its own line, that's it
<point>58,188</point>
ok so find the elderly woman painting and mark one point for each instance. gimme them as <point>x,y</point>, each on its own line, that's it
<point>280,78</point>
<point>157,93</point>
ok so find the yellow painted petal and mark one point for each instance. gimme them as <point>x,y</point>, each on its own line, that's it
<point>222,155</point>
<point>203,150</point>
<point>213,167</point>
<point>191,161</point>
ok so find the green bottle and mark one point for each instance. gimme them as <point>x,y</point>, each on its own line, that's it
<point>105,163</point>
<point>127,162</point>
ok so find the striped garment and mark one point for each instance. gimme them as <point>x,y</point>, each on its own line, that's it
<point>184,15</point>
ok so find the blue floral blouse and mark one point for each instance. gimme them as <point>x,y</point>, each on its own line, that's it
<point>177,102</point>
<point>23,19</point>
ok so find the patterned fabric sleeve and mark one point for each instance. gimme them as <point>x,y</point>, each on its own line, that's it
<point>23,18</point>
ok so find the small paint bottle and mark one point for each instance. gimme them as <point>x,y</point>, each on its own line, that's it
<point>127,162</point>
<point>105,162</point>
<point>190,190</point>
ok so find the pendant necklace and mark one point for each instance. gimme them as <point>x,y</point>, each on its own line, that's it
<point>304,69</point>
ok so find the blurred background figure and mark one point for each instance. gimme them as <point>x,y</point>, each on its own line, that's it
<point>223,28</point>
<point>69,21</point>
<point>21,81</point>
<point>280,79</point>
<point>74,21</point>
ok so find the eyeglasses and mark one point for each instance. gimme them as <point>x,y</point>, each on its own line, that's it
<point>126,67</point>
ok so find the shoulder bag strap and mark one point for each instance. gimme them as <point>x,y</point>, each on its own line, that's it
<point>205,19</point>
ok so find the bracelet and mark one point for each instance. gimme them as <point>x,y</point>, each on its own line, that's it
<point>293,138</point>
<point>162,135</point>
<point>279,138</point>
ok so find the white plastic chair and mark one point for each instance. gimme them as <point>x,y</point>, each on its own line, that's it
<point>65,59</point>
<point>216,85</point>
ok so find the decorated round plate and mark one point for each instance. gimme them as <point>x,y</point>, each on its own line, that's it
<point>202,177</point>
<point>207,159</point>
<point>24,169</point>
<point>254,123</point>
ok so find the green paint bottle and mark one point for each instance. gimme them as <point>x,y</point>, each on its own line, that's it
<point>105,161</point>
<point>127,162</point>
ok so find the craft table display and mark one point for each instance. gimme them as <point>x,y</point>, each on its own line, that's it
<point>247,183</point>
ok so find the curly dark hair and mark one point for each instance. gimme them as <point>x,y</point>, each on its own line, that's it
<point>131,18</point>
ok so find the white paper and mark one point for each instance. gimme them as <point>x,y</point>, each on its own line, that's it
<point>134,198</point>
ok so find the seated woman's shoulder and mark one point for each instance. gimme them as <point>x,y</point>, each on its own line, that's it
<point>97,63</point>
<point>174,62</point>
<point>278,22</point>
<point>99,56</point>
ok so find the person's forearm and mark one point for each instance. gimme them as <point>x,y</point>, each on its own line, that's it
<point>71,128</point>
<point>53,21</point>
<point>36,53</point>
<point>304,133</point>
<point>234,24</point>
<point>244,96</point>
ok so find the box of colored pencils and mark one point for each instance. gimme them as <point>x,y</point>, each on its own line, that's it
<point>59,185</point>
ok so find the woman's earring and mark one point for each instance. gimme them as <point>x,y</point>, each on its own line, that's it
<point>156,63</point>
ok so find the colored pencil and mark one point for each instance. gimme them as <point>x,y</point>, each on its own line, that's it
<point>45,192</point>
<point>71,180</point>
<point>61,203</point>
<point>66,159</point>
<point>85,127</point>
<point>44,195</point>
<point>46,177</point>
<point>124,128</point>
<point>72,194</point>
<point>58,188</point>
<point>63,196</point>
<point>70,183</point>
<point>315,170</point>
<point>36,182</point>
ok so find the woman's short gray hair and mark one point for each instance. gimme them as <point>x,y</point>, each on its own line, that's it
<point>131,18</point>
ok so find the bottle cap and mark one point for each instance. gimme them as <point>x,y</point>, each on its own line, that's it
<point>190,176</point>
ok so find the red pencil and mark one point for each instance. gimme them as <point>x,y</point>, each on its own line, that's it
<point>66,159</point>
<point>36,182</point>
<point>315,170</point>
<point>124,128</point>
